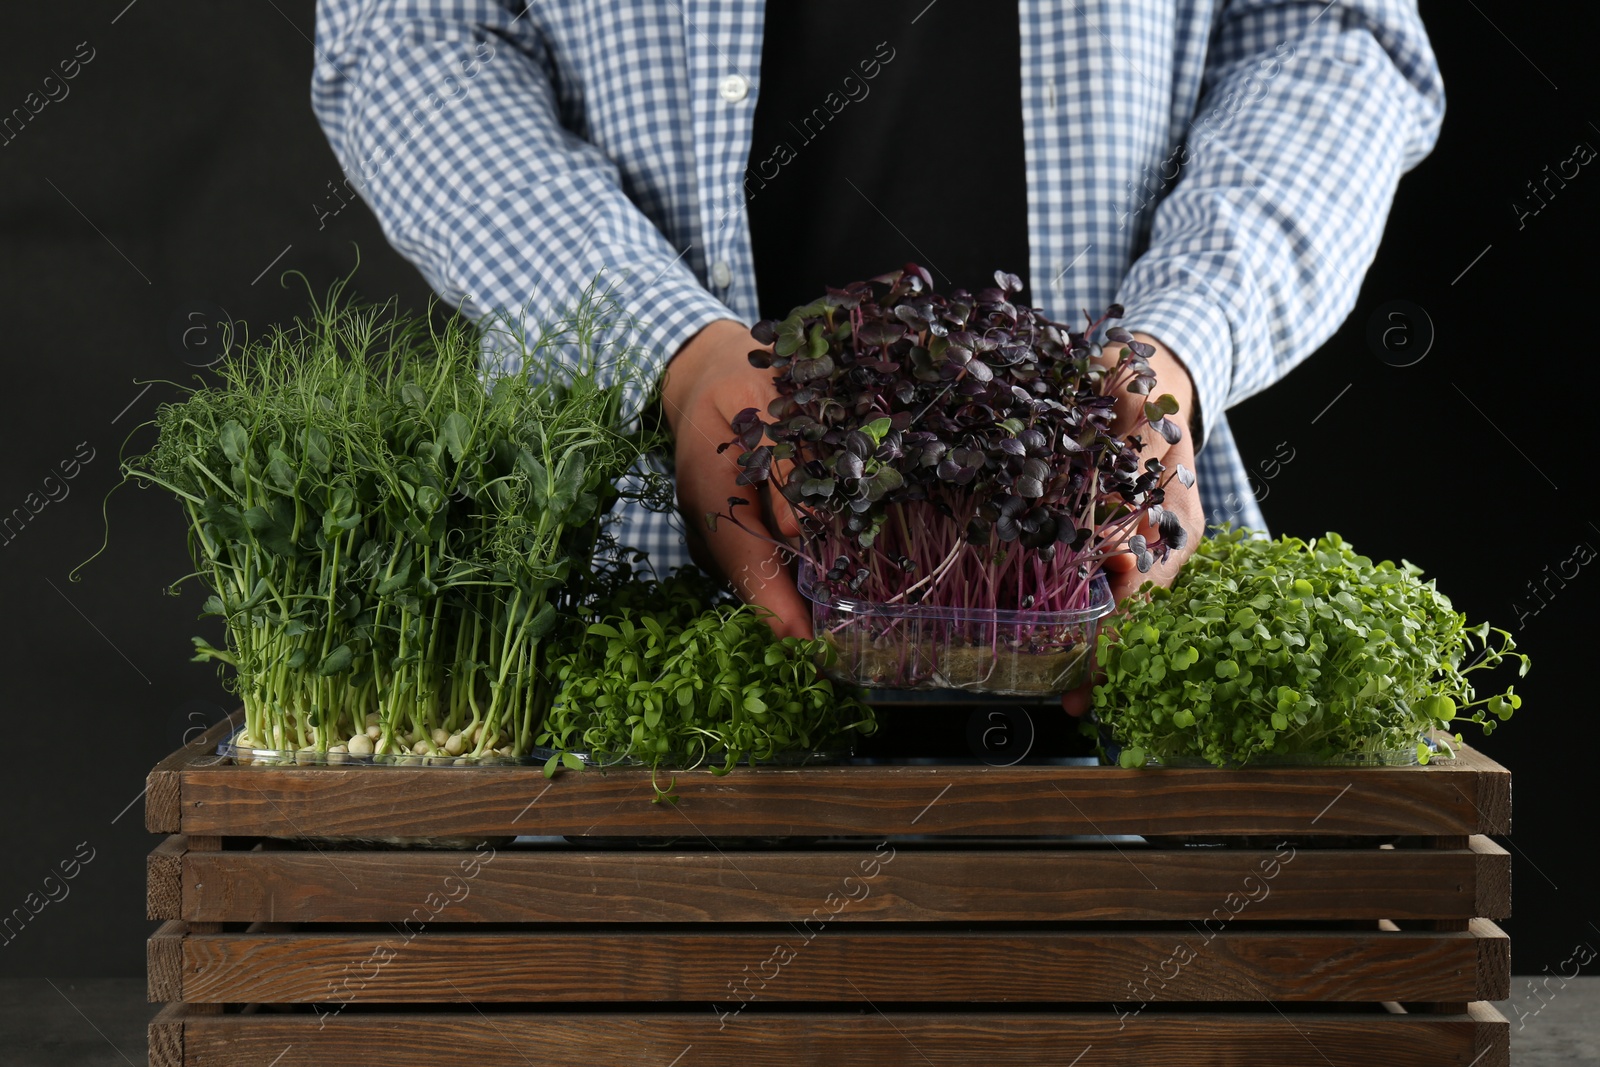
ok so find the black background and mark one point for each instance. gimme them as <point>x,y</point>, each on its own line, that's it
<point>184,172</point>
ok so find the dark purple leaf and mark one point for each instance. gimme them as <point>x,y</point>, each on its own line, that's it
<point>879,333</point>
<point>806,370</point>
<point>1168,430</point>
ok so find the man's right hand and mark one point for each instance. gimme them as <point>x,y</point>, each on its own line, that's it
<point>707,383</point>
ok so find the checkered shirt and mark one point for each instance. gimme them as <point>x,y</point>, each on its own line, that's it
<point>1222,168</point>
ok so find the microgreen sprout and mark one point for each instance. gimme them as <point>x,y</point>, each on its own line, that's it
<point>672,676</point>
<point>1268,649</point>
<point>391,540</point>
<point>957,451</point>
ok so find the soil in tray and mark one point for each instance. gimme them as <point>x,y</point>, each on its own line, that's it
<point>1012,671</point>
<point>975,667</point>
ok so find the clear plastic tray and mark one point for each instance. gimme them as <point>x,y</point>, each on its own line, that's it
<point>282,758</point>
<point>274,757</point>
<point>1012,653</point>
<point>798,758</point>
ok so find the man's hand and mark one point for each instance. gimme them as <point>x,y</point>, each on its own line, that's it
<point>707,383</point>
<point>1171,377</point>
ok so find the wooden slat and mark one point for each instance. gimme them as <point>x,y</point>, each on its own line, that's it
<point>163,868</point>
<point>1493,879</point>
<point>1494,961</point>
<point>917,885</point>
<point>1457,797</point>
<point>831,966</point>
<point>164,1036</point>
<point>851,1039</point>
<point>163,955</point>
<point>164,784</point>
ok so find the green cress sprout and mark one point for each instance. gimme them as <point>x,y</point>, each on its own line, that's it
<point>1289,649</point>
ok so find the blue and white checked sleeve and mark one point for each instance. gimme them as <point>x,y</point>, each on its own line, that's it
<point>1309,114</point>
<point>447,119</point>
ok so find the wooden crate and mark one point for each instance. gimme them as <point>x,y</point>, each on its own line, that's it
<point>939,915</point>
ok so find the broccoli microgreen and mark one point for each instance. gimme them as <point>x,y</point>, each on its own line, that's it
<point>670,675</point>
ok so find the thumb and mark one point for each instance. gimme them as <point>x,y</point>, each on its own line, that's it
<point>777,512</point>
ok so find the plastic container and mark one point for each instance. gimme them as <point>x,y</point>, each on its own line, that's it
<point>1014,653</point>
<point>678,762</point>
<point>274,757</point>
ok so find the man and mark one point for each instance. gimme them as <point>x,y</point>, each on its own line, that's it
<point>1222,168</point>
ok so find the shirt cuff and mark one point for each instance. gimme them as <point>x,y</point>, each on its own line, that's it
<point>1196,331</point>
<point>668,319</point>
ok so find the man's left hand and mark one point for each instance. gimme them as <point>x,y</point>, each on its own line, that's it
<point>1183,501</point>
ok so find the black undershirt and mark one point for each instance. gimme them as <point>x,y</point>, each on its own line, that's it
<point>879,140</point>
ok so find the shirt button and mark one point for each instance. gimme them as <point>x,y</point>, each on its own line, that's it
<point>721,275</point>
<point>733,88</point>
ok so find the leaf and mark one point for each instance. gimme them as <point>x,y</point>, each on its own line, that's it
<point>791,334</point>
<point>235,442</point>
<point>317,449</point>
<point>569,481</point>
<point>335,661</point>
<point>544,620</point>
<point>454,433</point>
<point>819,345</point>
<point>280,473</point>
<point>398,580</point>
<point>571,761</point>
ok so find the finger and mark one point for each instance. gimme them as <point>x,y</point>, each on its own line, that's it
<point>785,519</point>
<point>755,568</point>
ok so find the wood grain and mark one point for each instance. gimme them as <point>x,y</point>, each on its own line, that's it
<point>163,869</point>
<point>1457,797</point>
<point>1494,961</point>
<point>1037,966</point>
<point>163,795</point>
<point>164,1036</point>
<point>904,885</point>
<point>163,954</point>
<point>850,1039</point>
<point>1494,878</point>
